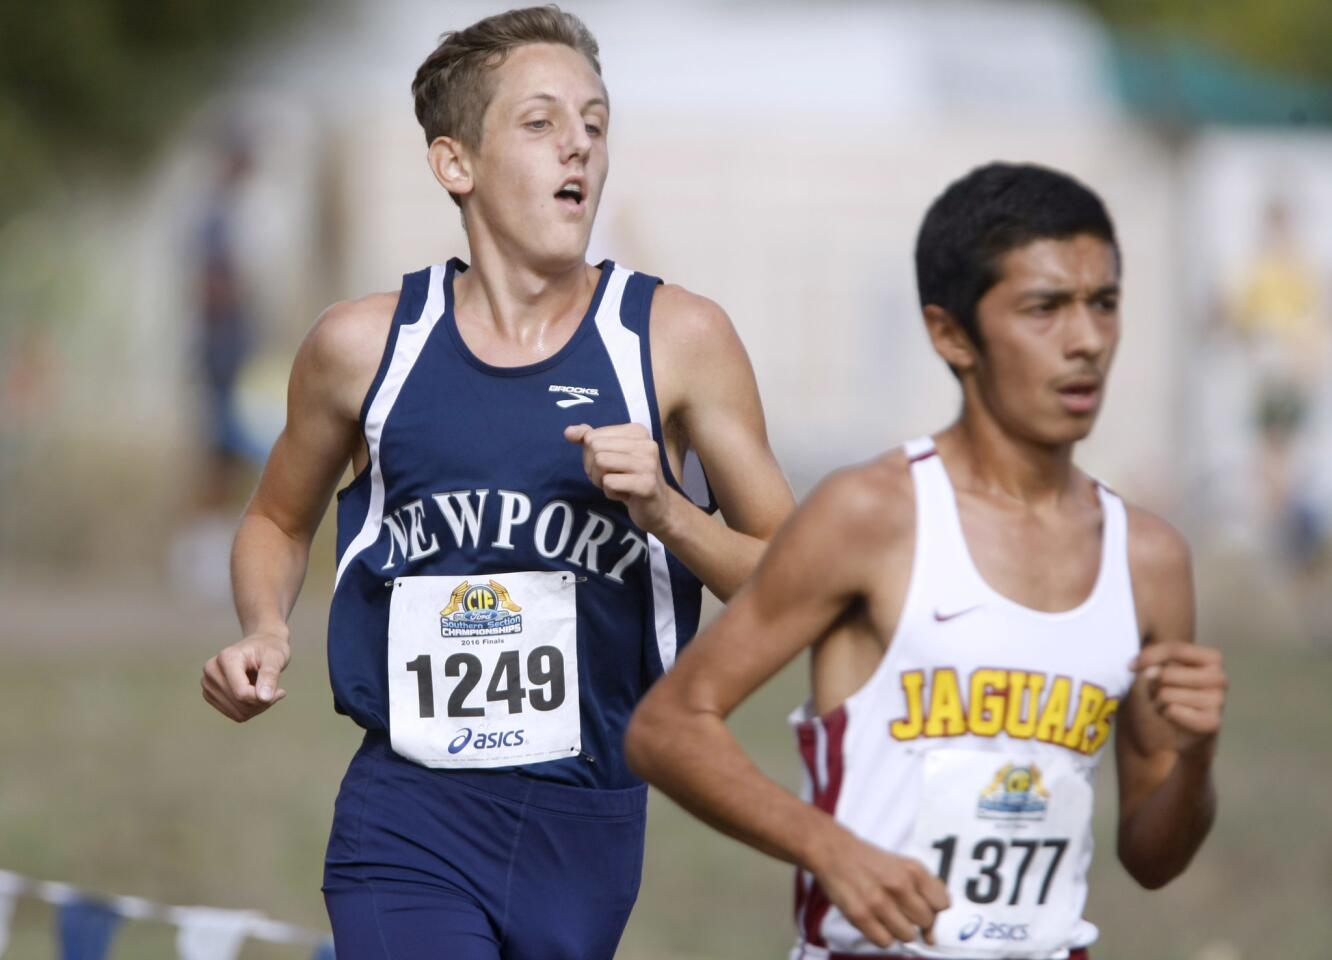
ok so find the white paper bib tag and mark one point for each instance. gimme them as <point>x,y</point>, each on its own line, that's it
<point>483,670</point>
<point>1010,837</point>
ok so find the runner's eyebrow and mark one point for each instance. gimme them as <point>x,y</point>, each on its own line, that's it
<point>1061,294</point>
<point>551,98</point>
<point>1046,294</point>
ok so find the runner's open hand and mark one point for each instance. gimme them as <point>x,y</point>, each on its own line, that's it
<point>625,462</point>
<point>242,681</point>
<point>1187,685</point>
<point>888,898</point>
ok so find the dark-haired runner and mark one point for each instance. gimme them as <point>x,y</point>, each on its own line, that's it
<point>1005,611</point>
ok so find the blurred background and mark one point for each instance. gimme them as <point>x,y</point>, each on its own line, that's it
<point>187,183</point>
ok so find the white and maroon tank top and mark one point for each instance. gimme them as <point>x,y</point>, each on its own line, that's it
<point>973,746</point>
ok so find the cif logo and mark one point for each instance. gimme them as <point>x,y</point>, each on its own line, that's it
<point>485,741</point>
<point>480,598</point>
<point>480,609</point>
<point>1017,792</point>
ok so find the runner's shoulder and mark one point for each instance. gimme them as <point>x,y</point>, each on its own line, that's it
<point>350,335</point>
<point>338,359</point>
<point>688,323</point>
<point>350,327</point>
<point>698,361</point>
<point>1158,552</point>
<point>870,504</point>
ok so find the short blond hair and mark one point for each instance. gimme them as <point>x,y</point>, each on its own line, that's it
<point>452,87</point>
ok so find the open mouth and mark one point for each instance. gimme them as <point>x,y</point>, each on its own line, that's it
<point>572,194</point>
<point>1080,396</point>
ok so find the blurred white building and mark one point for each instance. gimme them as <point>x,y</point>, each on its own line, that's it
<point>775,157</point>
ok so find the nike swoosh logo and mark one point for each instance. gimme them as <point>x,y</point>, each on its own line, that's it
<point>574,400</point>
<point>942,617</point>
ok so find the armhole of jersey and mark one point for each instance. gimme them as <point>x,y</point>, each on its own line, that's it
<point>429,300</point>
<point>909,599</point>
<point>919,547</point>
<point>1115,525</point>
<point>673,587</point>
<point>411,299</point>
<point>637,311</point>
<point>415,288</point>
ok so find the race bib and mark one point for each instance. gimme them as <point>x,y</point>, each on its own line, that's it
<point>1009,837</point>
<point>483,670</point>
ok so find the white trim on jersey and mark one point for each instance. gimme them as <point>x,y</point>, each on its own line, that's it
<point>820,758</point>
<point>626,356</point>
<point>407,348</point>
<point>917,447</point>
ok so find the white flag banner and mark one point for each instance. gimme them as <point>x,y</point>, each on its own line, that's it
<point>207,933</point>
<point>6,914</point>
<point>11,885</point>
<point>86,924</point>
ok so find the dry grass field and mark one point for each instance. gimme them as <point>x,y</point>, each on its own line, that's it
<point>115,777</point>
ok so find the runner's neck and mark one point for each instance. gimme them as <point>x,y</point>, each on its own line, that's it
<point>985,458</point>
<point>521,302</point>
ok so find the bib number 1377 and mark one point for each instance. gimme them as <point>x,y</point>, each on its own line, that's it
<point>538,681</point>
<point>987,882</point>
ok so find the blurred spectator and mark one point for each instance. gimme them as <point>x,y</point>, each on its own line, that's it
<point>27,393</point>
<point>226,326</point>
<point>223,343</point>
<point>1278,316</point>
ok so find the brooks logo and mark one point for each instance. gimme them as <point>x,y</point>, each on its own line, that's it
<point>575,395</point>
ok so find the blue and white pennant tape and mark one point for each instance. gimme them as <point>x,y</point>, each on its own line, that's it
<point>87,923</point>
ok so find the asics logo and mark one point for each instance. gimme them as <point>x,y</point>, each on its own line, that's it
<point>574,395</point>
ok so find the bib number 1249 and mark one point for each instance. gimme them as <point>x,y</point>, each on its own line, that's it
<point>543,689</point>
<point>483,668</point>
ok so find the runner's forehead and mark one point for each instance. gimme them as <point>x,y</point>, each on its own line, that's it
<point>548,73</point>
<point>1083,263</point>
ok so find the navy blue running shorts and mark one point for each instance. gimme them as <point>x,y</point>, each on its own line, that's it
<point>472,865</point>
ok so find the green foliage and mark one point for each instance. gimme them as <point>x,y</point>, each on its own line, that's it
<point>1282,36</point>
<point>97,83</point>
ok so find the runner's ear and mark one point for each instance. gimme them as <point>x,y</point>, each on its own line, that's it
<point>451,165</point>
<point>948,338</point>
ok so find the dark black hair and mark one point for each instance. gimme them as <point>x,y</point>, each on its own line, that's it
<point>992,210</point>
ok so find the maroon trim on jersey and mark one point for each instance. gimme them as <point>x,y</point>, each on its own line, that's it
<point>812,906</point>
<point>1078,954</point>
<point>806,741</point>
<point>799,896</point>
<point>932,452</point>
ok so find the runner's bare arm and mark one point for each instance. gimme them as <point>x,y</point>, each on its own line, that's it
<point>708,397</point>
<point>1170,720</point>
<point>329,379</point>
<point>679,740</point>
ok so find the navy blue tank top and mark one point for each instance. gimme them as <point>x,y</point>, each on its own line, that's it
<point>469,474</point>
